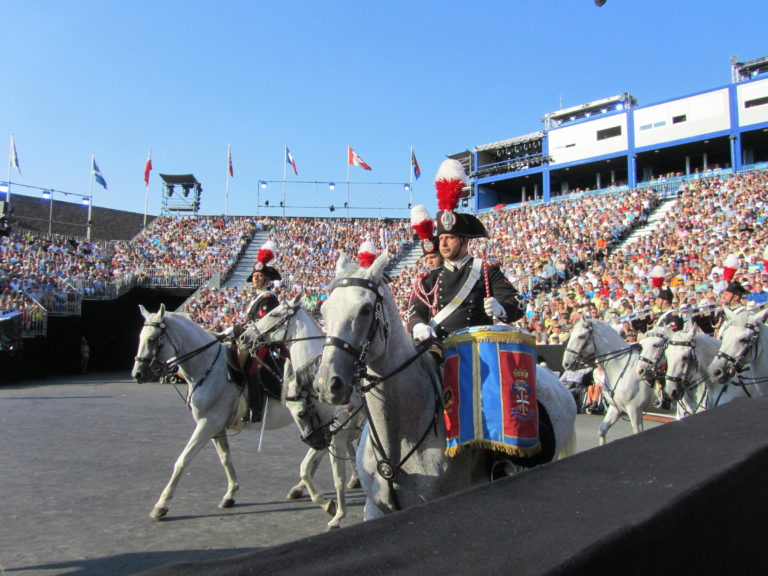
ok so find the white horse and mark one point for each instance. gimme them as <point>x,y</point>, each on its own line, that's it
<point>326,429</point>
<point>216,402</point>
<point>688,354</point>
<point>402,455</point>
<point>743,353</point>
<point>596,342</point>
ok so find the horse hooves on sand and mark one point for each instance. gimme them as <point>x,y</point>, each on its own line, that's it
<point>353,484</point>
<point>295,494</point>
<point>227,503</point>
<point>330,507</point>
<point>158,513</point>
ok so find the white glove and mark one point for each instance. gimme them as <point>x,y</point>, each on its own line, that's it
<point>494,308</point>
<point>227,332</point>
<point>422,332</point>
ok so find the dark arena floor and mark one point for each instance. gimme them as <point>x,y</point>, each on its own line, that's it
<point>84,459</point>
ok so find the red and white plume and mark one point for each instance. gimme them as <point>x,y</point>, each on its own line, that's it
<point>731,264</point>
<point>421,222</point>
<point>449,182</point>
<point>267,252</point>
<point>657,276</point>
<point>366,254</point>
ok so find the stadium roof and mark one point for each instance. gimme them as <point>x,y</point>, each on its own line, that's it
<point>179,178</point>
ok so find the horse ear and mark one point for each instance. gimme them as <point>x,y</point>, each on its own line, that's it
<point>296,300</point>
<point>161,311</point>
<point>143,311</point>
<point>762,315</point>
<point>341,263</point>
<point>377,268</point>
<point>729,315</point>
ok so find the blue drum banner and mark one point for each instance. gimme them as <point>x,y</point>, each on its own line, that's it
<point>489,388</point>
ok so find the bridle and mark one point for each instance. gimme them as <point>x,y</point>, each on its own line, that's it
<point>171,365</point>
<point>734,363</point>
<point>685,382</point>
<point>654,366</point>
<point>320,434</point>
<point>589,337</point>
<point>379,325</point>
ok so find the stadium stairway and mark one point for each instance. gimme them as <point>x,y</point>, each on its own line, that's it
<point>653,222</point>
<point>410,258</point>
<point>245,265</point>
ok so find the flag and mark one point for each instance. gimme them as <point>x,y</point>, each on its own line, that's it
<point>97,174</point>
<point>147,169</point>
<point>229,161</point>
<point>14,156</point>
<point>354,160</point>
<point>289,160</point>
<point>415,164</point>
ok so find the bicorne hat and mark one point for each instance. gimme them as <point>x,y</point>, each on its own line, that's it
<point>265,256</point>
<point>449,183</point>
<point>735,287</point>
<point>665,294</point>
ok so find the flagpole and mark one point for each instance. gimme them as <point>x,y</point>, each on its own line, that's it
<point>146,193</point>
<point>346,204</point>
<point>410,188</point>
<point>285,175</point>
<point>8,193</point>
<point>226,193</point>
<point>90,195</point>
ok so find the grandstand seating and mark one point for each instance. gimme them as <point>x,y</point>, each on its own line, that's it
<point>564,256</point>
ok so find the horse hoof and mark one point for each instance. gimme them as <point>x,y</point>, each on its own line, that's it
<point>330,528</point>
<point>295,494</point>
<point>227,503</point>
<point>330,507</point>
<point>353,484</point>
<point>158,513</point>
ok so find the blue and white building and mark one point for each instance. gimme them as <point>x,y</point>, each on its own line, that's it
<point>614,143</point>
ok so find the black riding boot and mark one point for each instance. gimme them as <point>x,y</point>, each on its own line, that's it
<point>255,398</point>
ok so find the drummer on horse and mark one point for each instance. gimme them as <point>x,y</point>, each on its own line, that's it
<point>458,303</point>
<point>465,291</point>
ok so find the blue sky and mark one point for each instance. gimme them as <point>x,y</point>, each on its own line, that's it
<point>185,79</point>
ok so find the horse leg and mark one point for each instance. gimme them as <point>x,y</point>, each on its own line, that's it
<point>636,419</point>
<point>199,437</point>
<point>221,442</point>
<point>354,478</point>
<point>308,468</point>
<point>611,417</point>
<point>339,468</point>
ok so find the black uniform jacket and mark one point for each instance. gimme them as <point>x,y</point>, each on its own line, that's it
<point>471,311</point>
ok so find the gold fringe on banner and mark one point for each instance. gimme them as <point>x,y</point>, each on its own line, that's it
<point>495,447</point>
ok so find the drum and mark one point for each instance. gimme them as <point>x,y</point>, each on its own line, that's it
<point>489,390</point>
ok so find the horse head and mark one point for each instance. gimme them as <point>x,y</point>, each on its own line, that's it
<point>652,348</point>
<point>272,327</point>
<point>682,361</point>
<point>740,336</point>
<point>356,327</point>
<point>581,344</point>
<point>151,348</point>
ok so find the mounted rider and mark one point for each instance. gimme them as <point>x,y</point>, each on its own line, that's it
<point>469,293</point>
<point>263,367</point>
<point>465,291</point>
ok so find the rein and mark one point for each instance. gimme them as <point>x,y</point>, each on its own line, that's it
<point>384,465</point>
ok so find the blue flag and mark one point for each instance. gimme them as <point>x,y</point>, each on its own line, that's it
<point>97,174</point>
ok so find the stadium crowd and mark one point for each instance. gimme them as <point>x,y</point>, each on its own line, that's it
<point>565,256</point>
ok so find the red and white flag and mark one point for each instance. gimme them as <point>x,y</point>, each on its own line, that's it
<point>229,161</point>
<point>148,169</point>
<point>354,160</point>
